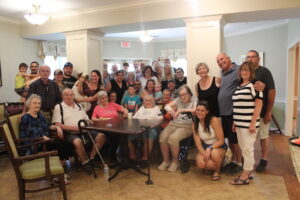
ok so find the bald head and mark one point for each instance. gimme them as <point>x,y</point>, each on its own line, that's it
<point>224,61</point>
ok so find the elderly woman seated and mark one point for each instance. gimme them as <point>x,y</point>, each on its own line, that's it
<point>147,111</point>
<point>34,124</point>
<point>209,140</point>
<point>108,110</point>
<point>178,129</point>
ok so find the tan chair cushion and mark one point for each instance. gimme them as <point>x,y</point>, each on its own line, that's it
<point>15,123</point>
<point>10,140</point>
<point>36,168</point>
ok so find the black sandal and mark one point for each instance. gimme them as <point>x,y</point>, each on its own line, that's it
<point>239,181</point>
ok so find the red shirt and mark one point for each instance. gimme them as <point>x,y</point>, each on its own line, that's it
<point>110,111</point>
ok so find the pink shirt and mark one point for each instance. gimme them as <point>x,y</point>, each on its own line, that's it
<point>110,111</point>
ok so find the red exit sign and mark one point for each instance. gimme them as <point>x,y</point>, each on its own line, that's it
<point>125,45</point>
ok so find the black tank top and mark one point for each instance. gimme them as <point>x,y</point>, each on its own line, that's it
<point>120,91</point>
<point>211,96</point>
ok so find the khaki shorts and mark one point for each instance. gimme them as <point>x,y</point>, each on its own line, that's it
<point>175,132</point>
<point>263,131</point>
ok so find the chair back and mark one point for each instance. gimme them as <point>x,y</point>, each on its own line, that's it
<point>14,123</point>
<point>2,111</point>
<point>8,140</point>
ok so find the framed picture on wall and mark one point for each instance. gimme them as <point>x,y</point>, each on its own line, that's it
<point>261,55</point>
<point>0,75</point>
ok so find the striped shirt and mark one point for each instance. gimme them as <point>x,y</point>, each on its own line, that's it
<point>244,104</point>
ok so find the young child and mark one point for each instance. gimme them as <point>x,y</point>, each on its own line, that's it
<point>132,101</point>
<point>22,80</point>
<point>158,93</point>
<point>78,90</point>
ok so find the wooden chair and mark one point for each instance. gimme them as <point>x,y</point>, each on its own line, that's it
<point>2,111</point>
<point>32,168</point>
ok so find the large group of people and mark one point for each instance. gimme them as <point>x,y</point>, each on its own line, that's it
<point>236,106</point>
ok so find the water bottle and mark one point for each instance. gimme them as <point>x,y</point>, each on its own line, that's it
<point>106,172</point>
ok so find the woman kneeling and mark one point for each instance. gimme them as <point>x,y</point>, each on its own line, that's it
<point>209,139</point>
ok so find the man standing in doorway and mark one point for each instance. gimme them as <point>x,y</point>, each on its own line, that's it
<point>228,86</point>
<point>68,79</point>
<point>264,80</point>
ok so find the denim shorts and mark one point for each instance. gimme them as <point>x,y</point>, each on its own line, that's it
<point>152,133</point>
<point>223,146</point>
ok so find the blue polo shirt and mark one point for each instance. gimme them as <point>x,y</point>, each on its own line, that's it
<point>229,84</point>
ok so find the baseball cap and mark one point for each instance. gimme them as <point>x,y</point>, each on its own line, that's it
<point>57,71</point>
<point>68,64</point>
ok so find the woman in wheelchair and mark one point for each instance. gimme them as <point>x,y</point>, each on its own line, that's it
<point>147,111</point>
<point>209,140</point>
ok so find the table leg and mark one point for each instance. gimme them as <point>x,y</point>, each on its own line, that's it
<point>149,181</point>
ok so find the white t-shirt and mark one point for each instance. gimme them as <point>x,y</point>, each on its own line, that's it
<point>148,113</point>
<point>144,81</point>
<point>72,114</point>
<point>182,118</point>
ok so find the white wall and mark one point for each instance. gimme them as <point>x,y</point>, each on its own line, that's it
<point>112,49</point>
<point>13,51</point>
<point>168,45</point>
<point>273,42</point>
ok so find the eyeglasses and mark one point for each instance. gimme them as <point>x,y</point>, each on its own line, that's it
<point>251,57</point>
<point>137,84</point>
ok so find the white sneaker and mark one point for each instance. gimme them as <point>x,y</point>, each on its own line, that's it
<point>163,166</point>
<point>173,167</point>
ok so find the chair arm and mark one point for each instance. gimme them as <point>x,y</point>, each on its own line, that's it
<point>29,139</point>
<point>35,143</point>
<point>35,156</point>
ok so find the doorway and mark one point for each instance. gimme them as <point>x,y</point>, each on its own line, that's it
<point>292,104</point>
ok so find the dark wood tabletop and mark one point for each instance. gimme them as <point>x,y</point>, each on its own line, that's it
<point>123,126</point>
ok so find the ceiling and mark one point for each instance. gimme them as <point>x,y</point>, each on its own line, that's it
<point>161,30</point>
<point>16,9</point>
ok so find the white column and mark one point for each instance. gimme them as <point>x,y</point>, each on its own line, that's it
<point>84,50</point>
<point>204,40</point>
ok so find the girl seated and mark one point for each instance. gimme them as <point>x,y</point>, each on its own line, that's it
<point>209,140</point>
<point>147,111</point>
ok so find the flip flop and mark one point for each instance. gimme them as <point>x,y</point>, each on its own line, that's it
<point>216,176</point>
<point>239,181</point>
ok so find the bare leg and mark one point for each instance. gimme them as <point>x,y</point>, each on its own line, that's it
<point>175,152</point>
<point>200,161</point>
<point>165,149</point>
<point>79,148</point>
<point>145,152</point>
<point>217,155</point>
<point>264,143</point>
<point>236,152</point>
<point>99,141</point>
<point>131,149</point>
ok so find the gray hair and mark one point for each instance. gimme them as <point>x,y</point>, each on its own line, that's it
<point>33,96</point>
<point>151,97</point>
<point>101,94</point>
<point>67,90</point>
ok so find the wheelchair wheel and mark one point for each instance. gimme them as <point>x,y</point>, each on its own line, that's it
<point>184,166</point>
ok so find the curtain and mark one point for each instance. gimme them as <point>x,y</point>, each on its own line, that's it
<point>172,54</point>
<point>51,49</point>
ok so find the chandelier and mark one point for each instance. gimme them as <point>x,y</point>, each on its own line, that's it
<point>36,18</point>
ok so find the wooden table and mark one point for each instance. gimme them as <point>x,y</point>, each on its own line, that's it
<point>125,127</point>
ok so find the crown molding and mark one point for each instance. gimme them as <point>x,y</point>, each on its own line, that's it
<point>9,20</point>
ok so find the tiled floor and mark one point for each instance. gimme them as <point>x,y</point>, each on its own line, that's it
<point>131,186</point>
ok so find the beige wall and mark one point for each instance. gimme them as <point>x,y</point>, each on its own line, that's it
<point>13,51</point>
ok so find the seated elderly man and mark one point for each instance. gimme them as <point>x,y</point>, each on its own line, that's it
<point>178,129</point>
<point>67,115</point>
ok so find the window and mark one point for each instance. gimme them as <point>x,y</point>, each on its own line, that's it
<point>54,64</point>
<point>181,62</point>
